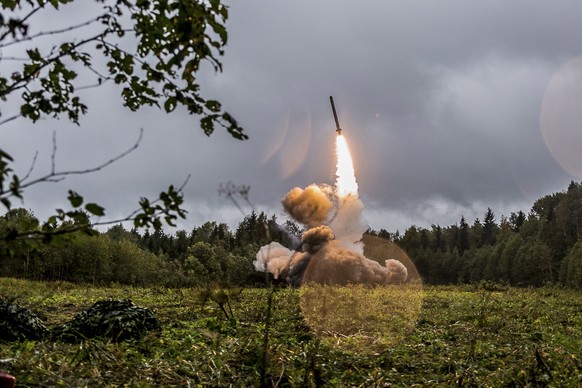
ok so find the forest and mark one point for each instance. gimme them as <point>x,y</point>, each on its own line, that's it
<point>543,247</point>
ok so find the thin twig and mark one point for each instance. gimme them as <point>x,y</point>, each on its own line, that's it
<point>131,215</point>
<point>9,119</point>
<point>31,166</point>
<point>99,83</point>
<point>76,228</point>
<point>57,176</point>
<point>21,59</point>
<point>101,76</point>
<point>47,33</point>
<point>23,82</point>
<point>21,22</point>
<point>54,153</point>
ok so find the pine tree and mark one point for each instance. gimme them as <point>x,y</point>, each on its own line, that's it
<point>489,228</point>
<point>463,242</point>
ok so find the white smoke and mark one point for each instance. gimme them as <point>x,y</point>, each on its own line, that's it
<point>348,225</point>
<point>273,258</point>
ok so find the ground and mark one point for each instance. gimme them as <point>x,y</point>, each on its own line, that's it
<point>459,335</point>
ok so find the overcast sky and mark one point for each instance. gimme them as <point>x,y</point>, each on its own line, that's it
<point>449,107</point>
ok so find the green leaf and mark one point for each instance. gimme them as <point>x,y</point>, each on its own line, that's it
<point>34,55</point>
<point>207,124</point>
<point>75,199</point>
<point>51,221</point>
<point>6,203</point>
<point>213,105</point>
<point>170,104</point>
<point>4,155</point>
<point>95,209</point>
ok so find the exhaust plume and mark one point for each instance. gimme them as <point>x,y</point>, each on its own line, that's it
<point>338,297</point>
<point>331,249</point>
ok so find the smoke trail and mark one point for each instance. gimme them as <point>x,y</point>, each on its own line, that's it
<point>341,266</point>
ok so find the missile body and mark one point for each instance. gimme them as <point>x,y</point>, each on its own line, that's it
<point>337,126</point>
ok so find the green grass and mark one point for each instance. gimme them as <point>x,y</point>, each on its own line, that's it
<point>457,336</point>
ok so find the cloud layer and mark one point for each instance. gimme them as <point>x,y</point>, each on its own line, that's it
<point>440,101</point>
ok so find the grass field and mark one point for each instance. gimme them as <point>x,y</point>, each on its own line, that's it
<point>437,336</point>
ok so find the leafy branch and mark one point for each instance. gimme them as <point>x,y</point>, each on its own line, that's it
<point>170,40</point>
<point>27,38</point>
<point>65,223</point>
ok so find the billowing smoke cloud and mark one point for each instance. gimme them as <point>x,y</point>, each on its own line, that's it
<point>335,264</point>
<point>310,206</point>
<point>314,239</point>
<point>331,251</point>
<point>273,258</point>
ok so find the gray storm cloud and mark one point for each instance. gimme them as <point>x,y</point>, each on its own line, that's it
<point>331,251</point>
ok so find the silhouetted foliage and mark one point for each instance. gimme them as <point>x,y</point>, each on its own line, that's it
<point>152,50</point>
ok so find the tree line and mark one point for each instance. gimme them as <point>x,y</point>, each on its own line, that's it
<point>542,247</point>
<point>208,254</point>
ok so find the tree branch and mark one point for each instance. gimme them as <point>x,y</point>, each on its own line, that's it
<point>47,33</point>
<point>57,176</point>
<point>131,216</point>
<point>21,22</point>
<point>76,228</point>
<point>23,82</point>
<point>62,174</point>
<point>9,119</point>
<point>31,166</point>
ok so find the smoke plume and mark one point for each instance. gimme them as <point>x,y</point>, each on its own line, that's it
<point>331,251</point>
<point>310,206</point>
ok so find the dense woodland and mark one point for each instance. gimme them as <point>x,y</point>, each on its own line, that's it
<point>534,249</point>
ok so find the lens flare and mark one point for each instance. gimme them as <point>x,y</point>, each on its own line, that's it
<point>345,176</point>
<point>560,116</point>
<point>364,318</point>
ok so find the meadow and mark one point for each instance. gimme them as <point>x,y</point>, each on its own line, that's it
<point>481,335</point>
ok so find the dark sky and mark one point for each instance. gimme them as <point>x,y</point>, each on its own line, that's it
<point>449,108</point>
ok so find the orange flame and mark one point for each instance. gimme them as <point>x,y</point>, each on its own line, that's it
<point>345,176</point>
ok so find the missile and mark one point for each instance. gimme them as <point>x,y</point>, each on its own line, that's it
<point>337,126</point>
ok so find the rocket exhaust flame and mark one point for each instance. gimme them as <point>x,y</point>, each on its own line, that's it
<point>345,175</point>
